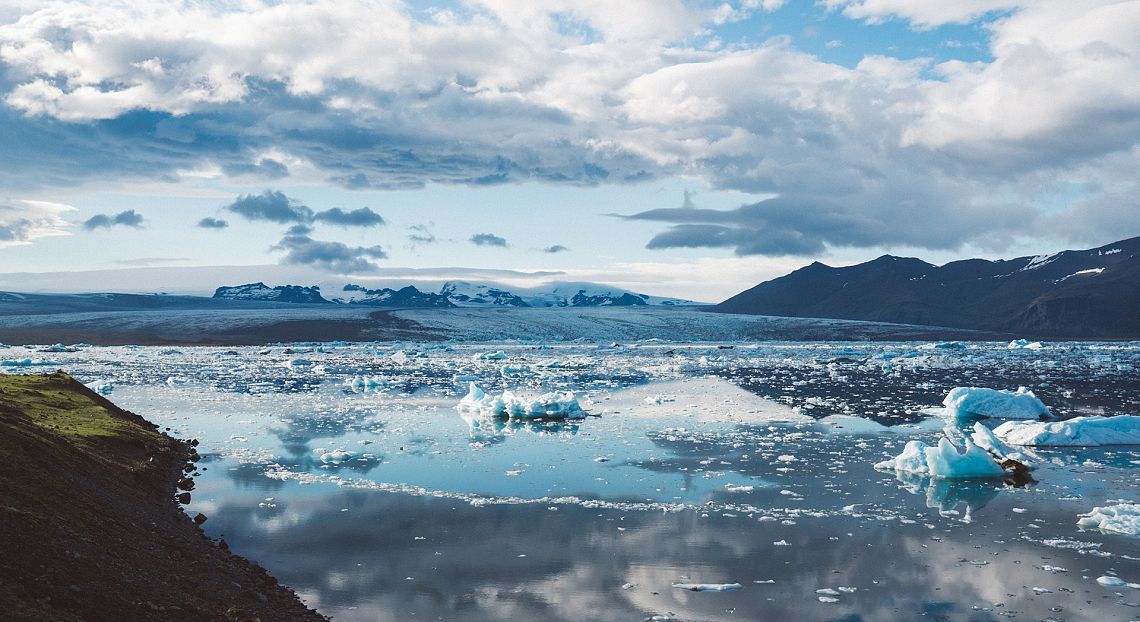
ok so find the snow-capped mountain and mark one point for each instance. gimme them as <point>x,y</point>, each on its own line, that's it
<point>262,292</point>
<point>557,294</point>
<point>454,294</point>
<point>408,296</point>
<point>464,294</point>
<point>1074,293</point>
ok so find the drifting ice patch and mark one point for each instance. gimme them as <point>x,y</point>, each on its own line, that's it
<point>943,461</point>
<point>1024,344</point>
<point>547,405</point>
<point>1076,432</point>
<point>966,402</point>
<point>1123,518</point>
<point>709,587</point>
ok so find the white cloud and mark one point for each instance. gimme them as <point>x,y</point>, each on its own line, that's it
<point>377,94</point>
<point>923,13</point>
<point>22,221</point>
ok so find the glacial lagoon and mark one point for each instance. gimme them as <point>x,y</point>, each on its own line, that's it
<point>348,472</point>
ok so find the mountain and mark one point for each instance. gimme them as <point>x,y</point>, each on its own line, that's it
<point>1072,294</point>
<point>581,294</point>
<point>408,296</point>
<point>464,294</point>
<point>262,292</point>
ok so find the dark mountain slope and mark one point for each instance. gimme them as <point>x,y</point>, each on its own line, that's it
<point>1073,294</point>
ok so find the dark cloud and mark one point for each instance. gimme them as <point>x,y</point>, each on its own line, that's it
<point>557,248</point>
<point>275,206</point>
<point>213,223</point>
<point>335,257</point>
<point>488,239</point>
<point>272,206</point>
<point>362,217</point>
<point>421,234</point>
<point>127,218</point>
<point>807,225</point>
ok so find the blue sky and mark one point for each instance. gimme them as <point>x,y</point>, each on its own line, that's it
<point>679,148</point>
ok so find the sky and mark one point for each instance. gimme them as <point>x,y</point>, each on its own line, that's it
<point>680,148</point>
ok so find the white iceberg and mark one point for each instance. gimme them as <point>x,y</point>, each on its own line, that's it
<point>944,461</point>
<point>1076,432</point>
<point>709,587</point>
<point>986,439</point>
<point>966,402</point>
<point>547,405</point>
<point>1024,344</point>
<point>1123,518</point>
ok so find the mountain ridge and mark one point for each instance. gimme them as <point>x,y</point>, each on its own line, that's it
<point>1093,293</point>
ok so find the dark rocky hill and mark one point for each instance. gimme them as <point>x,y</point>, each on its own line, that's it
<point>1086,294</point>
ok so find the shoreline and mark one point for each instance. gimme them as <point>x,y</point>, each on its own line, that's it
<point>93,527</point>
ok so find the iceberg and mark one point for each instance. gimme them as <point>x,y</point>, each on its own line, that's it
<point>1024,344</point>
<point>548,405</point>
<point>1123,518</point>
<point>709,587</point>
<point>1076,432</point>
<point>943,461</point>
<point>966,402</point>
<point>986,439</point>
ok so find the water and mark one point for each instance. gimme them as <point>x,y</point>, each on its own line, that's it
<point>736,468</point>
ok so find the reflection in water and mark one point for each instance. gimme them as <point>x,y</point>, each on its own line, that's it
<point>376,556</point>
<point>947,494</point>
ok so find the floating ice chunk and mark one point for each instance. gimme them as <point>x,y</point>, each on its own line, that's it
<point>553,405</point>
<point>986,439</point>
<point>709,587</point>
<point>735,488</point>
<point>1108,581</point>
<point>335,456</point>
<point>1024,344</point>
<point>1123,518</point>
<point>943,461</point>
<point>1076,432</point>
<point>965,402</point>
<point>497,355</point>
<point>365,384</point>
<point>102,388</point>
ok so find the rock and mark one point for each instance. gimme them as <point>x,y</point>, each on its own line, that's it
<point>199,518</point>
<point>183,497</point>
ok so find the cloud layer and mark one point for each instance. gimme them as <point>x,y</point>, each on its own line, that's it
<point>889,151</point>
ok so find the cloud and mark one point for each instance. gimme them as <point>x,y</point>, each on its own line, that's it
<point>272,206</point>
<point>213,223</point>
<point>488,239</point>
<point>362,217</point>
<point>275,206</point>
<point>126,218</point>
<point>335,257</point>
<point>421,234</point>
<point>22,221</point>
<point>923,152</point>
<point>557,248</point>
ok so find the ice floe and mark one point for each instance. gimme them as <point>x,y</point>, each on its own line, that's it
<point>548,405</point>
<point>967,402</point>
<point>943,461</point>
<point>709,587</point>
<point>1123,518</point>
<point>1076,432</point>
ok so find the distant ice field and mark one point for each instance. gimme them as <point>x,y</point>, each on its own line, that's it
<point>348,471</point>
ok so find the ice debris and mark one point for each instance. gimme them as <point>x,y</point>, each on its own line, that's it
<point>944,461</point>
<point>1024,344</point>
<point>966,402</point>
<point>547,405</point>
<point>1075,432</point>
<point>1123,518</point>
<point>709,587</point>
<point>986,439</point>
